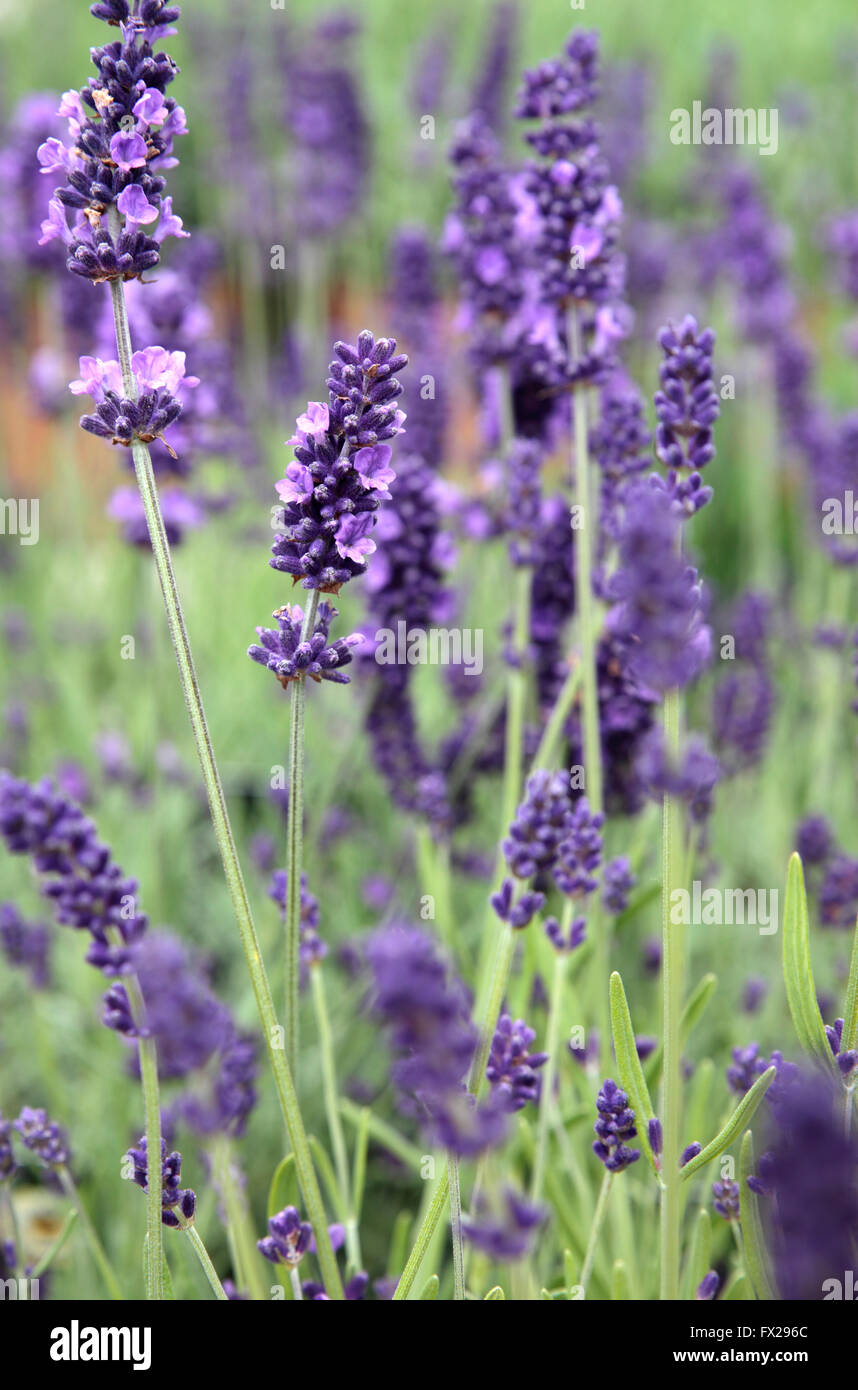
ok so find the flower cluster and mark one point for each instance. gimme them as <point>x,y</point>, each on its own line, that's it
<point>121,129</point>
<point>312,948</point>
<point>430,1027</point>
<point>686,405</point>
<point>341,470</point>
<point>173,1198</point>
<point>614,1127</point>
<point>504,1228</point>
<point>291,657</point>
<point>512,1069</point>
<point>78,874</point>
<point>660,595</point>
<point>43,1137</point>
<point>25,944</point>
<point>159,376</point>
<point>288,1238</point>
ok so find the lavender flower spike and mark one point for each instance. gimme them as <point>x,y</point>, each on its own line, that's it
<point>615,1125</point>
<point>341,470</point>
<point>288,1239</point>
<point>291,659</point>
<point>173,1198</point>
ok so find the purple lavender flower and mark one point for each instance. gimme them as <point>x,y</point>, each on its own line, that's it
<point>754,994</point>
<point>726,1199</point>
<point>838,895</point>
<point>746,1066</point>
<point>618,882</point>
<point>7,1154</point>
<point>575,937</point>
<point>173,1198</point>
<point>614,1127</point>
<point>811,1170</point>
<point>742,708</point>
<point>341,469</point>
<point>660,596</point>
<point>691,1151</point>
<point>692,778</point>
<point>43,1137</point>
<point>686,405</point>
<point>504,1229</point>
<point>25,944</point>
<point>283,652</point>
<point>512,1068</point>
<point>708,1287</point>
<point>430,1027</point>
<point>78,874</point>
<point>542,823</point>
<point>325,118</point>
<point>312,948</point>
<point>121,129</point>
<point>288,1238</point>
<point>579,854</point>
<point>847,1059</point>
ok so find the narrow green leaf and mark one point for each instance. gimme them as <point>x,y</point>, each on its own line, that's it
<point>798,974</point>
<point>740,1118</point>
<point>54,1249</point>
<point>398,1252</point>
<point>691,1016</point>
<point>430,1289</point>
<point>494,1294</point>
<point>699,1261</point>
<point>620,1291</point>
<point>629,1066</point>
<point>738,1290</point>
<point>326,1172</point>
<point>850,1008</point>
<point>283,1191</point>
<point>753,1241</point>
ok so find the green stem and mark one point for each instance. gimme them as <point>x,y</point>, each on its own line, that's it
<point>332,1111</point>
<point>456,1228</point>
<point>595,1229</point>
<point>516,701</point>
<point>294,843</point>
<point>248,1259</point>
<point>220,820</point>
<point>549,744</point>
<point>489,1016</point>
<point>202,1255</point>
<point>95,1245</point>
<point>552,1038</point>
<point>584,582</point>
<point>672,1010</point>
<point>147,1053</point>
<point>436,1209</point>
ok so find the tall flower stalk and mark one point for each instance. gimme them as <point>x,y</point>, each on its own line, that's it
<point>120,141</point>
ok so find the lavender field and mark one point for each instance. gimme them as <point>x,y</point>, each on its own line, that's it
<point>429,681</point>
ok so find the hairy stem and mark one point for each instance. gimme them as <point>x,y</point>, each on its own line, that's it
<point>220,820</point>
<point>456,1228</point>
<point>332,1111</point>
<point>295,843</point>
<point>595,1230</point>
<point>584,536</point>
<point>552,1037</point>
<point>96,1248</point>
<point>202,1255</point>
<point>671,1211</point>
